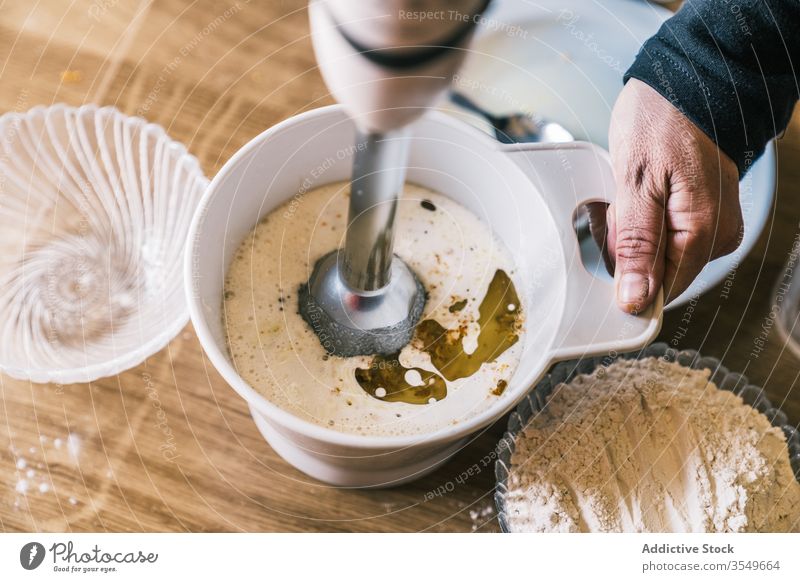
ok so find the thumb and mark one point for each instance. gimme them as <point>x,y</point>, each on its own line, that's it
<point>639,242</point>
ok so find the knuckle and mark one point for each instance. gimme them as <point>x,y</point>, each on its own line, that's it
<point>635,243</point>
<point>635,175</point>
<point>648,188</point>
<point>698,249</point>
<point>689,251</point>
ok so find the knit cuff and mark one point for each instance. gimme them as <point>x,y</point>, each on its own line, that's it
<point>680,81</point>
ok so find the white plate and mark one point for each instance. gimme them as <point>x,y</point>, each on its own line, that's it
<point>565,60</point>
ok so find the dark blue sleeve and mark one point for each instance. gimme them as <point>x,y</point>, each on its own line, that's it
<point>731,67</point>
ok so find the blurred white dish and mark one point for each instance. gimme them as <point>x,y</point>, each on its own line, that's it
<point>564,61</point>
<point>94,211</point>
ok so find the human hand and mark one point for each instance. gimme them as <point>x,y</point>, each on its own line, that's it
<point>677,204</point>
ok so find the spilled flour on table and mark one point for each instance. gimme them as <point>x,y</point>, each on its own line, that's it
<point>481,514</point>
<point>650,446</point>
<point>33,474</point>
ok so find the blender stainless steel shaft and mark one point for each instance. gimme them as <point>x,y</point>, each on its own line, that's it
<point>378,176</point>
<point>362,299</point>
<point>386,62</point>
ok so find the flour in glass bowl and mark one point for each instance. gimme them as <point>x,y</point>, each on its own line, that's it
<point>650,446</point>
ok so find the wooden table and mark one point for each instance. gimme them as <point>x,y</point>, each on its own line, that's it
<point>215,73</point>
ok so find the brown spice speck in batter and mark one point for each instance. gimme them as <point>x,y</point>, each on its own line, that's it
<point>500,388</point>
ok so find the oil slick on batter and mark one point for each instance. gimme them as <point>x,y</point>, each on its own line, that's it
<point>499,323</point>
<point>387,379</point>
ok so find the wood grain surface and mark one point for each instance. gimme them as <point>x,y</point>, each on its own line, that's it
<point>216,73</point>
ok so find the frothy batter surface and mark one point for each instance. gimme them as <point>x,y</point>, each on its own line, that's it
<point>455,255</point>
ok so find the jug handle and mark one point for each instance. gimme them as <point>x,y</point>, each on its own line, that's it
<point>591,324</point>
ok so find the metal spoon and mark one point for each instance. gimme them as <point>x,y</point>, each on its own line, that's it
<point>518,127</point>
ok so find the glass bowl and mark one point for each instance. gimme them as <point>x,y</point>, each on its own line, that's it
<point>95,208</point>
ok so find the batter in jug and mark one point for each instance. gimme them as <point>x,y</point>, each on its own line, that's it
<point>465,348</point>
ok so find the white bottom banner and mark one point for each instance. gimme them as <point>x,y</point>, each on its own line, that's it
<point>355,557</point>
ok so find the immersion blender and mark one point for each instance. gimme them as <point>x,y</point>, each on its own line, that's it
<point>386,62</point>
